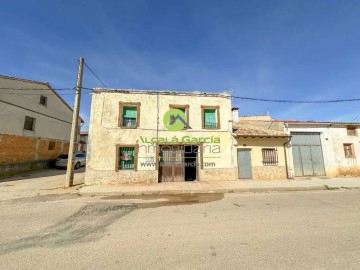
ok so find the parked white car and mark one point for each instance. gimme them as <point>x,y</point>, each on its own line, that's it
<point>62,160</point>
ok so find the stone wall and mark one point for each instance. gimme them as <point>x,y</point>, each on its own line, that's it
<point>269,172</point>
<point>97,177</point>
<point>18,168</point>
<point>217,174</point>
<point>105,135</point>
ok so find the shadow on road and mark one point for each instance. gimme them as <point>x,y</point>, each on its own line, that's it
<point>87,224</point>
<point>40,174</point>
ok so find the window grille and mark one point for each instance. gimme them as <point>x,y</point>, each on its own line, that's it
<point>270,156</point>
<point>126,158</point>
<point>210,118</point>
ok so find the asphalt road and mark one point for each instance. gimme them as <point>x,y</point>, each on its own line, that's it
<point>295,230</point>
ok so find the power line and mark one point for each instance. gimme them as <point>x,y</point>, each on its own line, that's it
<point>35,94</point>
<point>29,89</point>
<point>35,111</point>
<point>38,89</point>
<point>97,77</point>
<point>297,101</point>
<point>89,90</point>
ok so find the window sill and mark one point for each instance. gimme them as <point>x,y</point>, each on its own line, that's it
<point>127,127</point>
<point>270,165</point>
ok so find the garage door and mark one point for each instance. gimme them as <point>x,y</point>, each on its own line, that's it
<point>307,154</point>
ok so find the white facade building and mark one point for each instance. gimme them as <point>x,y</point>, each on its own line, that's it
<point>35,124</point>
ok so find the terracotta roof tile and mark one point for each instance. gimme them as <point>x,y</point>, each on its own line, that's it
<point>244,130</point>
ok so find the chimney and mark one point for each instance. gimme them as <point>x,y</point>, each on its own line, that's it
<point>235,115</point>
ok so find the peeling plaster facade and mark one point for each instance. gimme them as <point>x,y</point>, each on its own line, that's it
<point>105,135</point>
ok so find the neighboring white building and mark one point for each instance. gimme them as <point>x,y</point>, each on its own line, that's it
<point>82,147</point>
<point>35,125</point>
<point>324,148</point>
<point>317,148</point>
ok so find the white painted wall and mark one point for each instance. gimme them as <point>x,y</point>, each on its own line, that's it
<point>339,137</point>
<point>332,140</point>
<point>46,126</point>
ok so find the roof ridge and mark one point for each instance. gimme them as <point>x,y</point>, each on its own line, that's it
<point>163,91</point>
<point>42,83</point>
<point>22,79</point>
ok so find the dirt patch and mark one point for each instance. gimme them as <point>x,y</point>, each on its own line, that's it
<point>41,198</point>
<point>87,224</point>
<point>154,201</point>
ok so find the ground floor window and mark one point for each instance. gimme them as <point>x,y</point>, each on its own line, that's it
<point>52,145</point>
<point>126,158</point>
<point>269,156</point>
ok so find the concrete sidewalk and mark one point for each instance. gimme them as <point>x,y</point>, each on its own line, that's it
<point>221,187</point>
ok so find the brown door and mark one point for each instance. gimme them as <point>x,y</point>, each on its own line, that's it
<point>171,167</point>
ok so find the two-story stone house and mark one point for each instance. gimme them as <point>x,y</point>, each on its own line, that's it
<point>139,136</point>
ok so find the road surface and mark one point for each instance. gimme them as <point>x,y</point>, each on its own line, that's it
<point>293,230</point>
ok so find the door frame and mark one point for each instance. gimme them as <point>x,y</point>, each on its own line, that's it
<point>237,160</point>
<point>320,134</point>
<point>199,157</point>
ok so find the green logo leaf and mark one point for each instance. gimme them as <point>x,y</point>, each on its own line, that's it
<point>174,120</point>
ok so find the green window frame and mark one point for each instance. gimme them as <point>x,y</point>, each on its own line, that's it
<point>210,116</point>
<point>126,158</point>
<point>129,114</point>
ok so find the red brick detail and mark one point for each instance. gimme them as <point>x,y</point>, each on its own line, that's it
<point>18,149</point>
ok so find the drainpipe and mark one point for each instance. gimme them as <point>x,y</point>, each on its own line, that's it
<point>289,168</point>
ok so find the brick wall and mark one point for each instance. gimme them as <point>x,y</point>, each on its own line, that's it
<point>19,149</point>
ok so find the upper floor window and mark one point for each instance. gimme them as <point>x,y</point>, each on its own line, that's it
<point>129,115</point>
<point>184,109</point>
<point>351,131</point>
<point>210,116</point>
<point>29,123</point>
<point>349,150</point>
<point>43,100</point>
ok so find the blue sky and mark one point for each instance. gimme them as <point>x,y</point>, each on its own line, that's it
<point>263,49</point>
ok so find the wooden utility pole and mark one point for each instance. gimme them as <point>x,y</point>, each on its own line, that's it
<point>74,128</point>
